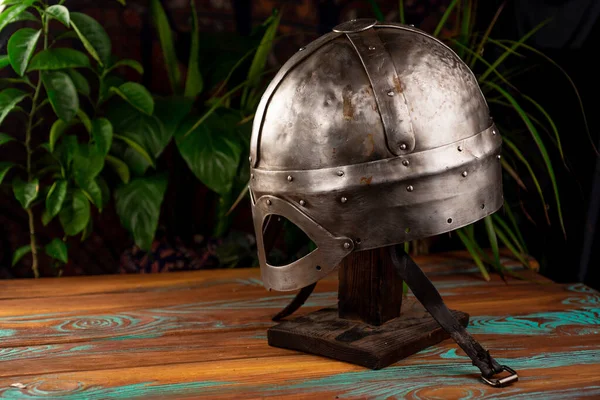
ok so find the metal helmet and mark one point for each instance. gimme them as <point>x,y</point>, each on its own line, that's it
<point>372,135</point>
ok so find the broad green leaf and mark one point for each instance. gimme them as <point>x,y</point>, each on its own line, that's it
<point>489,227</point>
<point>212,151</point>
<point>93,192</point>
<point>25,192</point>
<point>260,58</point>
<point>9,98</point>
<point>137,147</point>
<point>194,82</point>
<point>119,167</point>
<point>106,83</point>
<point>66,150</point>
<point>80,82</point>
<point>61,58</point>
<point>170,112</point>
<point>4,61</point>
<point>46,218</point>
<point>60,13</point>
<point>104,191</point>
<point>57,249</point>
<point>56,131</point>
<point>541,147</point>
<point>75,213</point>
<point>471,249</point>
<point>21,46</point>
<point>61,93</point>
<point>167,44</point>
<point>87,231</point>
<point>136,95</point>
<point>8,16</point>
<point>4,138</point>
<point>127,63</point>
<point>25,16</point>
<point>102,134</point>
<point>444,18</point>
<point>19,253</point>
<point>88,162</point>
<point>93,36</point>
<point>85,120</point>
<point>5,166</point>
<point>56,197</point>
<point>138,206</point>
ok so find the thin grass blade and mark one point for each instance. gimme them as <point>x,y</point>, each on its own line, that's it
<point>513,221</point>
<point>376,10</point>
<point>470,248</point>
<point>500,223</point>
<point>444,18</point>
<point>484,39</point>
<point>513,174</point>
<point>401,11</point>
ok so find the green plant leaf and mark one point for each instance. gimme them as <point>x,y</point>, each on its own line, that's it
<point>20,253</point>
<point>136,95</point>
<point>9,98</point>
<point>137,147</point>
<point>401,11</point>
<point>11,13</point>
<point>56,131</point>
<point>551,122</point>
<point>66,150</point>
<point>212,151</point>
<point>88,162</point>
<point>25,192</point>
<point>75,213</point>
<point>473,252</point>
<point>93,36</point>
<point>85,120</point>
<point>510,245</point>
<point>57,249</point>
<point>56,197</point>
<point>80,82</point>
<point>138,206</point>
<point>61,58</point>
<point>513,174</point>
<point>102,134</point>
<point>46,218</point>
<point>503,56</point>
<point>24,16</point>
<point>534,178</point>
<point>260,58</point>
<point>5,166</point>
<point>119,167</point>
<point>540,145</point>
<point>376,11</point>
<point>104,191</point>
<point>194,82</point>
<point>500,224</point>
<point>170,113</point>
<point>61,93</point>
<point>489,227</point>
<point>444,18</point>
<point>4,61</point>
<point>93,192</point>
<point>4,138</point>
<point>21,46</point>
<point>127,63</point>
<point>60,13</point>
<point>167,44</point>
<point>106,84</point>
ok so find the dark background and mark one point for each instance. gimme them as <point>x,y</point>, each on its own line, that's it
<point>570,40</point>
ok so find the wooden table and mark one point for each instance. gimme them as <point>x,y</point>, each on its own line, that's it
<point>203,335</point>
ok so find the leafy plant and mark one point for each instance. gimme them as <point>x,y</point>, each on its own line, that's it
<point>208,120</point>
<point>496,79</point>
<point>62,174</point>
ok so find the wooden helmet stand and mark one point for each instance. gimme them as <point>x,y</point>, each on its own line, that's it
<point>373,326</point>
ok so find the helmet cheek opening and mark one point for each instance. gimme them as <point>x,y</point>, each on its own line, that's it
<point>285,241</point>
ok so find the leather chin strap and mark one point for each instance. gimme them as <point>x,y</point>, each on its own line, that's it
<point>428,295</point>
<point>431,299</point>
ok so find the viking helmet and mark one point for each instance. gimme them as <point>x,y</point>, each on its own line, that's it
<point>372,135</point>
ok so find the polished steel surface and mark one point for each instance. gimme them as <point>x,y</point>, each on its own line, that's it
<point>371,137</point>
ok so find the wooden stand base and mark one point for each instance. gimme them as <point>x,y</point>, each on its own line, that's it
<point>324,333</point>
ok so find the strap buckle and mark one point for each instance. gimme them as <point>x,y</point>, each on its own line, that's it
<point>513,377</point>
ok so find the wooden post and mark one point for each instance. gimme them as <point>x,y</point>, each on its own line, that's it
<point>369,288</point>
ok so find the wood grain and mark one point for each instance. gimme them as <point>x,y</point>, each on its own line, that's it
<point>190,335</point>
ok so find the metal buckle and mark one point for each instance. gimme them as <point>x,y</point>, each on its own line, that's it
<point>513,377</point>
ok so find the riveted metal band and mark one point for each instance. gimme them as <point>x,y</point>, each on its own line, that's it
<point>421,164</point>
<point>387,89</point>
<point>266,97</point>
<point>330,250</point>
